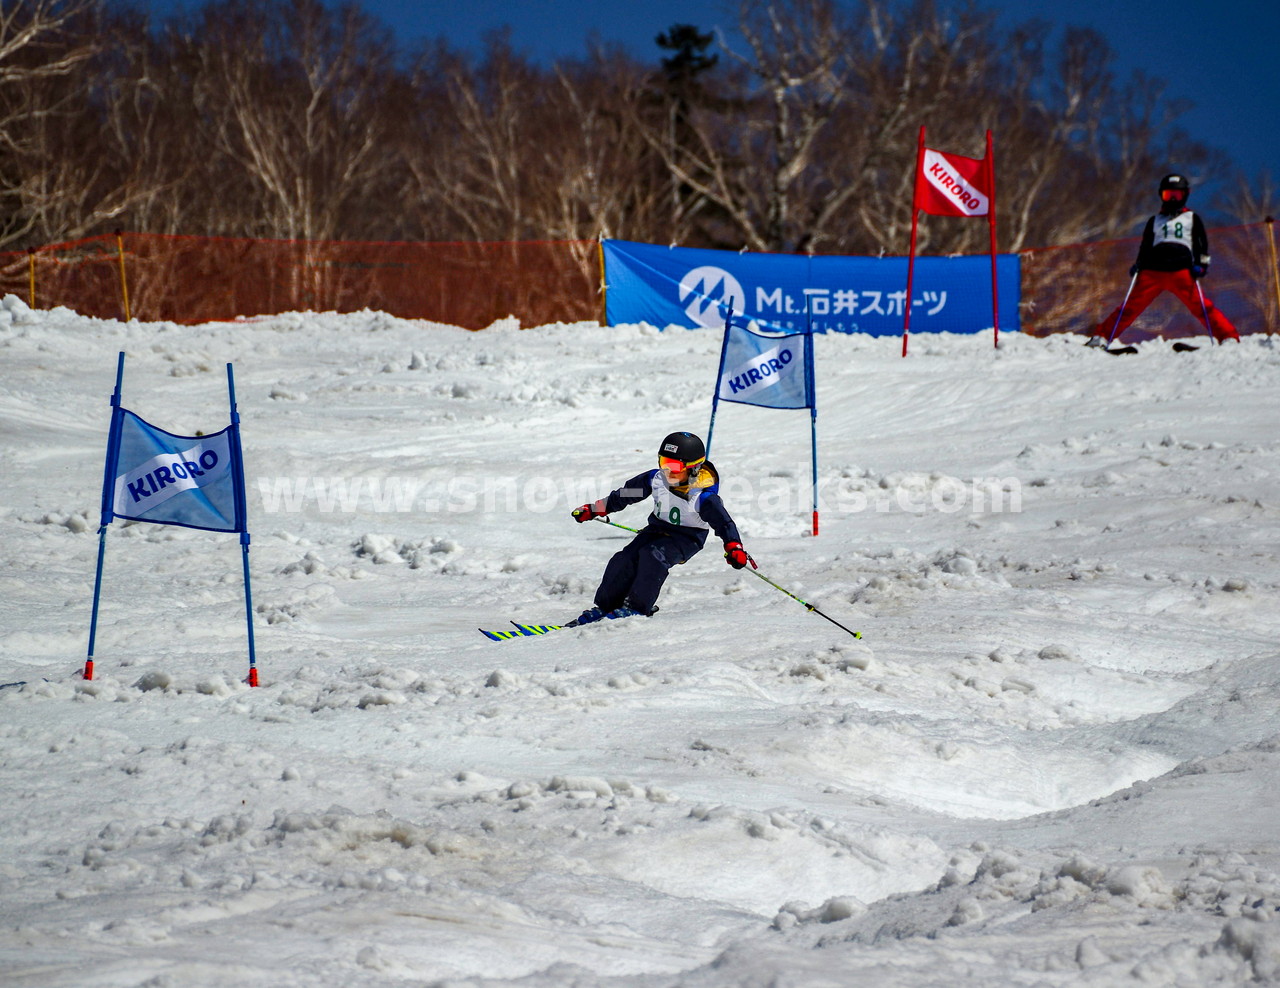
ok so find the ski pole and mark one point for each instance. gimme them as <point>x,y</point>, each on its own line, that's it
<point>625,528</point>
<point>755,571</point>
<point>1120,311</point>
<point>1204,310</point>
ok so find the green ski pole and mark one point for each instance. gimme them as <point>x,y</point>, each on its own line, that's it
<point>625,528</point>
<point>754,571</point>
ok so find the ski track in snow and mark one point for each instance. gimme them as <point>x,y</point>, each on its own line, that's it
<point>1052,760</point>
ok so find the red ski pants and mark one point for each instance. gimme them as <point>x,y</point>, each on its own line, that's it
<point>1148,286</point>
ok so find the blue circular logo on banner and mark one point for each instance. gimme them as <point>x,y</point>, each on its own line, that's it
<point>707,291</point>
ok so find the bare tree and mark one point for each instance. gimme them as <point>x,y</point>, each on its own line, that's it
<point>295,119</point>
<point>919,65</point>
<point>504,150</point>
<point>496,108</point>
<point>598,176</point>
<point>749,153</point>
<point>290,92</point>
<point>40,50</point>
<point>1253,276</point>
<point>1250,201</point>
<point>1075,173</point>
<point>811,143</point>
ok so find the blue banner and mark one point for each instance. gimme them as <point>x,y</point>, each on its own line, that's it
<point>772,371</point>
<point>193,481</point>
<point>682,286</point>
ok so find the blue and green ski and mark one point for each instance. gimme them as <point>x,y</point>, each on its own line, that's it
<point>533,630</point>
<point>520,631</point>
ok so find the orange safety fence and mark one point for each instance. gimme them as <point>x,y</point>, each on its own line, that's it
<point>191,279</point>
<point>188,279</point>
<point>1072,289</point>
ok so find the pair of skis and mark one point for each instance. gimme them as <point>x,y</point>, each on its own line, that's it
<point>533,630</point>
<point>1178,347</point>
<point>1118,351</point>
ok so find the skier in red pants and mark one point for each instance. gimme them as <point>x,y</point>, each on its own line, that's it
<point>1173,257</point>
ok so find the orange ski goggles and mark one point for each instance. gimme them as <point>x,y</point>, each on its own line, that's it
<point>669,465</point>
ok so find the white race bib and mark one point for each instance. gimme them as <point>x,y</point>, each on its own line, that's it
<point>1173,229</point>
<point>674,509</point>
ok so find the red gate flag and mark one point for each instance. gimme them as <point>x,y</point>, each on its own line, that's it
<point>952,185</point>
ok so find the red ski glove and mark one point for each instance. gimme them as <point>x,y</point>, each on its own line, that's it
<point>589,511</point>
<point>735,555</point>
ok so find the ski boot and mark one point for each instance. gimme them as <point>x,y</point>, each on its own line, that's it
<point>628,609</point>
<point>590,616</point>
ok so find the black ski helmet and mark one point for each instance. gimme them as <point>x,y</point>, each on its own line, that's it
<point>683,446</point>
<point>1174,181</point>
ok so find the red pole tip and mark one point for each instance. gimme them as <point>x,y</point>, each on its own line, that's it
<point>88,669</point>
<point>815,523</point>
<point>253,677</point>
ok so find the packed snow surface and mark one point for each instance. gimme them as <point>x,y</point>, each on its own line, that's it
<point>1053,758</point>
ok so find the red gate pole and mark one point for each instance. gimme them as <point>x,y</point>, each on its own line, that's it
<point>911,257</point>
<point>991,217</point>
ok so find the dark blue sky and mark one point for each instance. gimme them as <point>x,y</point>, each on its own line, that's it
<point>1221,55</point>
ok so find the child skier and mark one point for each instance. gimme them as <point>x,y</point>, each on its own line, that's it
<point>686,506</point>
<point>1173,257</point>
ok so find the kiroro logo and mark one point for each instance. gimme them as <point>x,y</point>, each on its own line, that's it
<point>705,290</point>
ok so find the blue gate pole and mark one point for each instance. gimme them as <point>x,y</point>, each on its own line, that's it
<point>248,609</point>
<point>715,391</point>
<point>113,441</point>
<point>812,395</point>
<point>242,523</point>
<point>813,442</point>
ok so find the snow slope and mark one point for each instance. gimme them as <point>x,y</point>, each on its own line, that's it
<point>1053,759</point>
